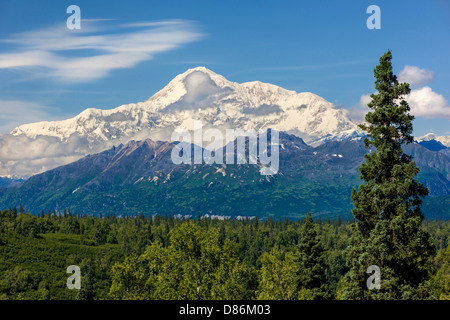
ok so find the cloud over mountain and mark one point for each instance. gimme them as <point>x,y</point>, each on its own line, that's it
<point>24,156</point>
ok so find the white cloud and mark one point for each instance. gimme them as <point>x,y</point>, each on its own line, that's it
<point>415,76</point>
<point>23,156</point>
<point>364,100</point>
<point>424,102</point>
<point>358,113</point>
<point>199,84</point>
<point>94,51</point>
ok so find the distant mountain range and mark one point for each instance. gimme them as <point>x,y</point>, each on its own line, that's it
<point>140,177</point>
<point>443,140</point>
<point>197,94</point>
<point>434,142</point>
<point>9,182</point>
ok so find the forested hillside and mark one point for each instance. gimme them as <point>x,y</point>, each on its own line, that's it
<point>160,257</point>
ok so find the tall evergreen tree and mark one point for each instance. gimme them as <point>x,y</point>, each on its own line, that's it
<point>311,263</point>
<point>388,230</point>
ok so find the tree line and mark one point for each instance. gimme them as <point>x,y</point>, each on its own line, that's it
<point>161,257</point>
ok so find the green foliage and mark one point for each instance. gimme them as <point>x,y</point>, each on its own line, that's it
<point>165,258</point>
<point>195,266</point>
<point>437,207</point>
<point>298,271</point>
<point>441,278</point>
<point>311,264</point>
<point>279,279</point>
<point>33,265</point>
<point>388,231</point>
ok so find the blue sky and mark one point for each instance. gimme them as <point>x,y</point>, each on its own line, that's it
<point>126,51</point>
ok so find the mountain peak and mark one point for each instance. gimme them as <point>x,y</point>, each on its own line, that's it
<point>192,79</point>
<point>428,136</point>
<point>444,140</point>
<point>199,68</point>
<point>198,94</point>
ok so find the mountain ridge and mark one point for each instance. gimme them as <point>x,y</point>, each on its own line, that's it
<point>141,177</point>
<point>429,137</point>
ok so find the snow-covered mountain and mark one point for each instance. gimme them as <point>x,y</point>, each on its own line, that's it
<point>200,94</point>
<point>445,140</point>
<point>197,94</point>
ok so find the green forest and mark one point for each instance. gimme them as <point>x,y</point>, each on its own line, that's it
<point>160,257</point>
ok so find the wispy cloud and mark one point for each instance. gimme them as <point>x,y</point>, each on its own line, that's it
<point>95,50</point>
<point>302,67</point>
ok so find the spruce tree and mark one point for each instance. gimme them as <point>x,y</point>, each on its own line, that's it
<point>311,263</point>
<point>387,232</point>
